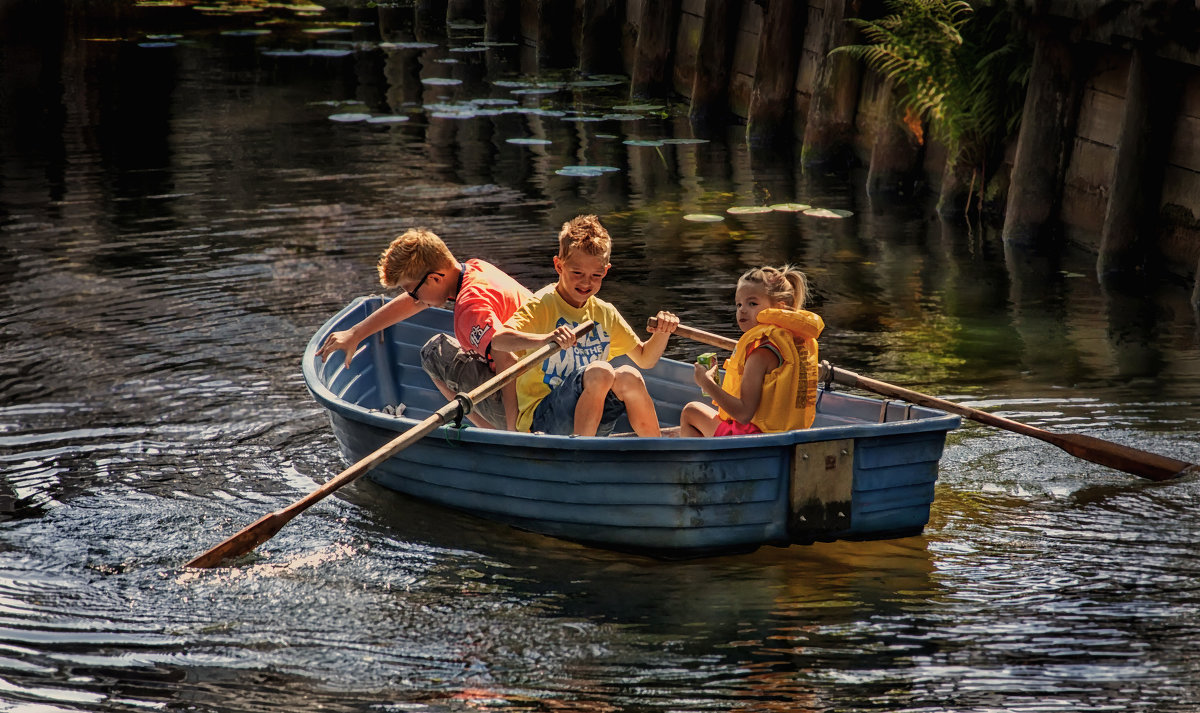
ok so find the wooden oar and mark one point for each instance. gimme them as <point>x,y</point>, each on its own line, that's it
<point>265,527</point>
<point>1112,455</point>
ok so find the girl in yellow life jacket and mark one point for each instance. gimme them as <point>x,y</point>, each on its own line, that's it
<point>770,382</point>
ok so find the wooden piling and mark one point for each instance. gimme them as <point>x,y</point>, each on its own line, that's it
<point>1044,144</point>
<point>599,27</point>
<point>651,75</point>
<point>710,86</point>
<point>502,20</point>
<point>775,73</point>
<point>429,19</point>
<point>830,120</point>
<point>896,154</point>
<point>459,10</point>
<point>1131,220</point>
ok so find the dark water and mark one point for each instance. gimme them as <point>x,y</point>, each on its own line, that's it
<point>178,214</point>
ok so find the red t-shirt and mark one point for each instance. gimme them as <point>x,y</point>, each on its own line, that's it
<point>487,297</point>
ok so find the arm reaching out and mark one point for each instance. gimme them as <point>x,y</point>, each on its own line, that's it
<point>396,310</point>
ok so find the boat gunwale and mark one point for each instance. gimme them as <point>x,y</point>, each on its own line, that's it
<point>936,421</point>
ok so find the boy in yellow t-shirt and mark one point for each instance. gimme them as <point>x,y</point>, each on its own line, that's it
<point>577,391</point>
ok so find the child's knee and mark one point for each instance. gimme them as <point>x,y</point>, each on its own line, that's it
<point>628,380</point>
<point>598,375</point>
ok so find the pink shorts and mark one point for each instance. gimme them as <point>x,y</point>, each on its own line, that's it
<point>733,428</point>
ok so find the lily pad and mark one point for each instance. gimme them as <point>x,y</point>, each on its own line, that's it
<point>327,53</point>
<point>387,119</point>
<point>639,107</point>
<point>623,117</point>
<point>244,33</point>
<point>440,81</point>
<point>589,83</point>
<point>747,209</point>
<point>828,213</point>
<point>525,141</point>
<point>494,101</point>
<point>643,142</point>
<point>685,141</point>
<point>704,218</point>
<point>349,117</point>
<point>585,171</point>
<point>407,45</point>
<point>790,207</point>
<point>535,90</point>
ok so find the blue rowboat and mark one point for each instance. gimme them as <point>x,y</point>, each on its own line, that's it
<point>865,470</point>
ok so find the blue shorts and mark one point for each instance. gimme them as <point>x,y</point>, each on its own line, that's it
<point>556,413</point>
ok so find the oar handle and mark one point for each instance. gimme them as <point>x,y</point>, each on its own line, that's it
<point>265,527</point>
<point>713,340</point>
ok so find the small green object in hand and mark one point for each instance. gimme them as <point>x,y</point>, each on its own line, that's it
<point>707,360</point>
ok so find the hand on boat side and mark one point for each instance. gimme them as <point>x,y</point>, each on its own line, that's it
<point>339,341</point>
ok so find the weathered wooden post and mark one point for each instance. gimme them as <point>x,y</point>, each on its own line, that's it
<point>599,36</point>
<point>429,18</point>
<point>502,19</point>
<point>1044,144</point>
<point>896,154</point>
<point>545,26</point>
<point>829,124</point>
<point>651,75</point>
<point>1131,220</point>
<point>775,72</point>
<point>463,9</point>
<point>710,85</point>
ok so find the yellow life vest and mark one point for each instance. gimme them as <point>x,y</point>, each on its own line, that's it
<point>789,393</point>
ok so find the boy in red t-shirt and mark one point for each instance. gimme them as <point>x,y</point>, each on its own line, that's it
<point>421,265</point>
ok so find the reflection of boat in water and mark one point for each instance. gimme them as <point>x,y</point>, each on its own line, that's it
<point>848,477</point>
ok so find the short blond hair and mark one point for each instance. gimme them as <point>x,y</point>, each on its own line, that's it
<point>585,234</point>
<point>783,285</point>
<point>411,256</point>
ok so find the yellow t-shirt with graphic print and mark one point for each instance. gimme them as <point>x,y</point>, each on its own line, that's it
<point>542,314</point>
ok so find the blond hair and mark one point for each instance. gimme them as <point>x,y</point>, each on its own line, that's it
<point>782,285</point>
<point>584,233</point>
<point>412,256</point>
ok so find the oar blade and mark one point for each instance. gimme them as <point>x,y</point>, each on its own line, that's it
<point>243,542</point>
<point>1124,458</point>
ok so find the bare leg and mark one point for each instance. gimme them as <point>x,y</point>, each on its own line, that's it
<point>508,395</point>
<point>697,419</point>
<point>473,417</point>
<point>630,387</point>
<point>597,382</point>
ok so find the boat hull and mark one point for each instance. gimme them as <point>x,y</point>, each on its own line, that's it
<point>846,478</point>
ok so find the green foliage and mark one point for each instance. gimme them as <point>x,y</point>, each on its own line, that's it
<point>960,69</point>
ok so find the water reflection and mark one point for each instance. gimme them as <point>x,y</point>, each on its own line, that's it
<point>179,213</point>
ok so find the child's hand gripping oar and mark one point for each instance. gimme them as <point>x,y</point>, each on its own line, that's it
<point>1112,455</point>
<point>265,527</point>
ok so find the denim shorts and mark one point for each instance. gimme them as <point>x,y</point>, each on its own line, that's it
<point>556,413</point>
<point>443,359</point>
